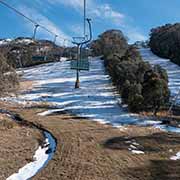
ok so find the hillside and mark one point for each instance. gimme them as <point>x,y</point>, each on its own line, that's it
<point>141,86</point>
<point>24,52</point>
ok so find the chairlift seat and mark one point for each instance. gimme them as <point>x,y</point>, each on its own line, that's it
<point>39,58</point>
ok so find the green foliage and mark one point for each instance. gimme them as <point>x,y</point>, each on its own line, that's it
<point>165,42</point>
<point>110,42</point>
<point>141,86</point>
<point>155,90</point>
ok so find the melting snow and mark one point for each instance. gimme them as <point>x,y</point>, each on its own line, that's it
<point>137,152</point>
<point>40,158</point>
<point>96,99</point>
<point>177,157</point>
<point>173,70</point>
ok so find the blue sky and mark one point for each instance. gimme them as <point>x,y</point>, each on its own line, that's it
<point>64,17</point>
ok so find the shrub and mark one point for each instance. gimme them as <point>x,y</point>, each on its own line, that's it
<point>8,76</point>
<point>141,86</point>
<point>165,42</point>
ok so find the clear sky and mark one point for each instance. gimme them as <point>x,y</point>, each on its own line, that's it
<point>65,17</point>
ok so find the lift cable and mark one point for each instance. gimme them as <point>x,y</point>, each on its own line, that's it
<point>31,20</point>
<point>84,18</point>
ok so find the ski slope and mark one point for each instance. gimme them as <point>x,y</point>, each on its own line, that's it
<point>173,70</point>
<point>96,99</point>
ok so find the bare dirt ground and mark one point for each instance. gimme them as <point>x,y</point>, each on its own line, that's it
<point>26,85</point>
<point>18,145</point>
<point>88,150</point>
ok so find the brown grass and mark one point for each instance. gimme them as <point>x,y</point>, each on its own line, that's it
<point>18,145</point>
<point>88,150</point>
<point>26,85</point>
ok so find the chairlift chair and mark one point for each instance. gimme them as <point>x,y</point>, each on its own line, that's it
<point>39,56</point>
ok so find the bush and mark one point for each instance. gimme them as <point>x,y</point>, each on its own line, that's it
<point>8,76</point>
<point>155,91</point>
<point>141,86</point>
<point>165,42</point>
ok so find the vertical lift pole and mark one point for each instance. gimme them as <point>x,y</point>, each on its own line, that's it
<point>80,44</point>
<point>35,30</point>
<point>79,47</point>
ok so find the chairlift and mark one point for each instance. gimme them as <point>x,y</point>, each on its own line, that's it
<point>79,64</point>
<point>39,57</point>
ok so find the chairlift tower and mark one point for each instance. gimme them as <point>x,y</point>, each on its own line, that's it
<point>55,38</point>
<point>35,31</point>
<point>80,41</point>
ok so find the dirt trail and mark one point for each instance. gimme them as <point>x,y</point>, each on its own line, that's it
<point>88,150</point>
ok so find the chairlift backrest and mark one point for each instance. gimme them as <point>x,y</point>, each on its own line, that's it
<point>39,58</point>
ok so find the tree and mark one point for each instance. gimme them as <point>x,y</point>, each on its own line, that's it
<point>165,42</point>
<point>8,77</point>
<point>141,86</point>
<point>155,91</point>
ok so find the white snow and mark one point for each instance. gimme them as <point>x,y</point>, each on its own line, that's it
<point>177,157</point>
<point>168,128</point>
<point>96,99</point>
<point>137,152</point>
<point>5,41</point>
<point>63,59</point>
<point>173,70</point>
<point>22,41</point>
<point>40,158</point>
<point>25,41</point>
<point>134,147</point>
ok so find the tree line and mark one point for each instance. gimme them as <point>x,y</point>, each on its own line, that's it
<point>141,86</point>
<point>8,77</point>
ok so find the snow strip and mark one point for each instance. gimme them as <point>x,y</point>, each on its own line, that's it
<point>41,158</point>
<point>137,152</point>
<point>177,157</point>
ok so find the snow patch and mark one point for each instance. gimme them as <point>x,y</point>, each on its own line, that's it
<point>41,158</point>
<point>137,152</point>
<point>177,157</point>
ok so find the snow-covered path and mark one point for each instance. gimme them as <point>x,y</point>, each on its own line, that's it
<point>96,99</point>
<point>173,70</point>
